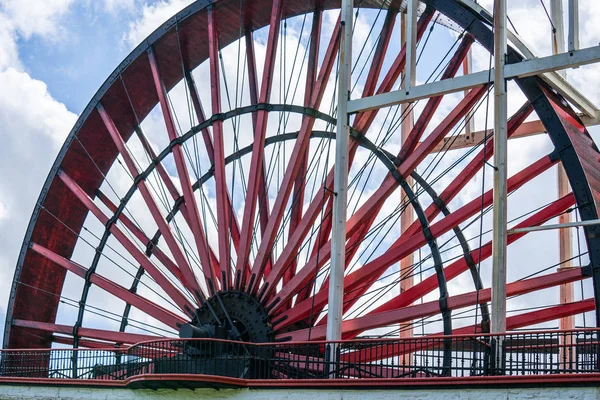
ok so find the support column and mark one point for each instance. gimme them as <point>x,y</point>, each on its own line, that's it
<point>407,217</point>
<point>499,241</point>
<point>470,122</point>
<point>564,235</point>
<point>338,236</point>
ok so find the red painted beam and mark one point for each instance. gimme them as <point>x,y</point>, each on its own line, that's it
<point>182,172</point>
<point>295,160</point>
<point>512,323</point>
<point>300,181</point>
<point>137,254</point>
<point>154,310</point>
<point>433,307</point>
<point>459,266</point>
<point>358,281</point>
<point>258,146</point>
<point>365,213</point>
<point>141,236</point>
<point>222,194</point>
<point>98,334</point>
<point>163,226</point>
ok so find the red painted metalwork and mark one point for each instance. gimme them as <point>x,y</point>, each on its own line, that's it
<point>145,305</point>
<point>408,244</point>
<point>222,195</point>
<point>295,160</point>
<point>459,266</point>
<point>411,313</point>
<point>139,256</point>
<point>193,90</point>
<point>300,182</point>
<point>163,226</point>
<point>256,163</point>
<point>99,334</point>
<point>141,236</point>
<point>512,323</point>
<point>188,194</point>
<point>364,214</point>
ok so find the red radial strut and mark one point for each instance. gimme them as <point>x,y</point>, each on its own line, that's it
<point>182,172</point>
<point>295,160</point>
<point>361,123</point>
<point>163,226</point>
<point>222,195</point>
<point>175,194</point>
<point>98,334</point>
<point>413,139</point>
<point>433,307</point>
<point>459,266</point>
<point>263,193</point>
<point>145,305</point>
<point>512,323</point>
<point>137,254</point>
<point>359,281</point>
<point>300,181</point>
<point>256,163</point>
<point>364,214</point>
<point>141,236</point>
<point>472,168</point>
<point>235,226</point>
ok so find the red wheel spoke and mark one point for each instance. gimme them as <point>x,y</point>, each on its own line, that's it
<point>163,225</point>
<point>235,226</point>
<point>365,214</point>
<point>255,178</point>
<point>405,245</point>
<point>512,323</point>
<point>175,194</point>
<point>98,334</point>
<point>295,160</point>
<point>433,307</point>
<point>145,305</point>
<point>410,143</point>
<point>137,254</point>
<point>141,236</point>
<point>300,181</point>
<point>186,184</point>
<point>222,195</point>
<point>361,123</point>
<point>433,103</point>
<point>472,168</point>
<point>459,266</point>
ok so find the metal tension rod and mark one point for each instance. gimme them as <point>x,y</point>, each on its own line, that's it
<point>536,66</point>
<point>554,226</point>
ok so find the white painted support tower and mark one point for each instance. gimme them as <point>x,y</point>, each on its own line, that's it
<point>338,237</point>
<point>499,236</point>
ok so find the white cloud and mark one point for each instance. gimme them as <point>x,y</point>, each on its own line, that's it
<point>152,16</point>
<point>119,5</point>
<point>36,17</point>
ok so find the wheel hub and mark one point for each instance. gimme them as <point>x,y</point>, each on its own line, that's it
<point>233,315</point>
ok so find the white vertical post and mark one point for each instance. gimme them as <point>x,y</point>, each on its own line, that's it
<point>411,43</point>
<point>558,35</point>
<point>564,235</point>
<point>338,237</point>
<point>470,121</point>
<point>573,25</point>
<point>500,177</point>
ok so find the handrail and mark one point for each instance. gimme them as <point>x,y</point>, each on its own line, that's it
<point>524,353</point>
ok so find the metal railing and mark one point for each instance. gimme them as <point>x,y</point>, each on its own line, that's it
<point>521,354</point>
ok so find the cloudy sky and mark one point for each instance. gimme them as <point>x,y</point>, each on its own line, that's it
<point>54,54</point>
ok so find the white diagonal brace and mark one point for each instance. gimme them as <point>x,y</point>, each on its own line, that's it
<point>521,69</point>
